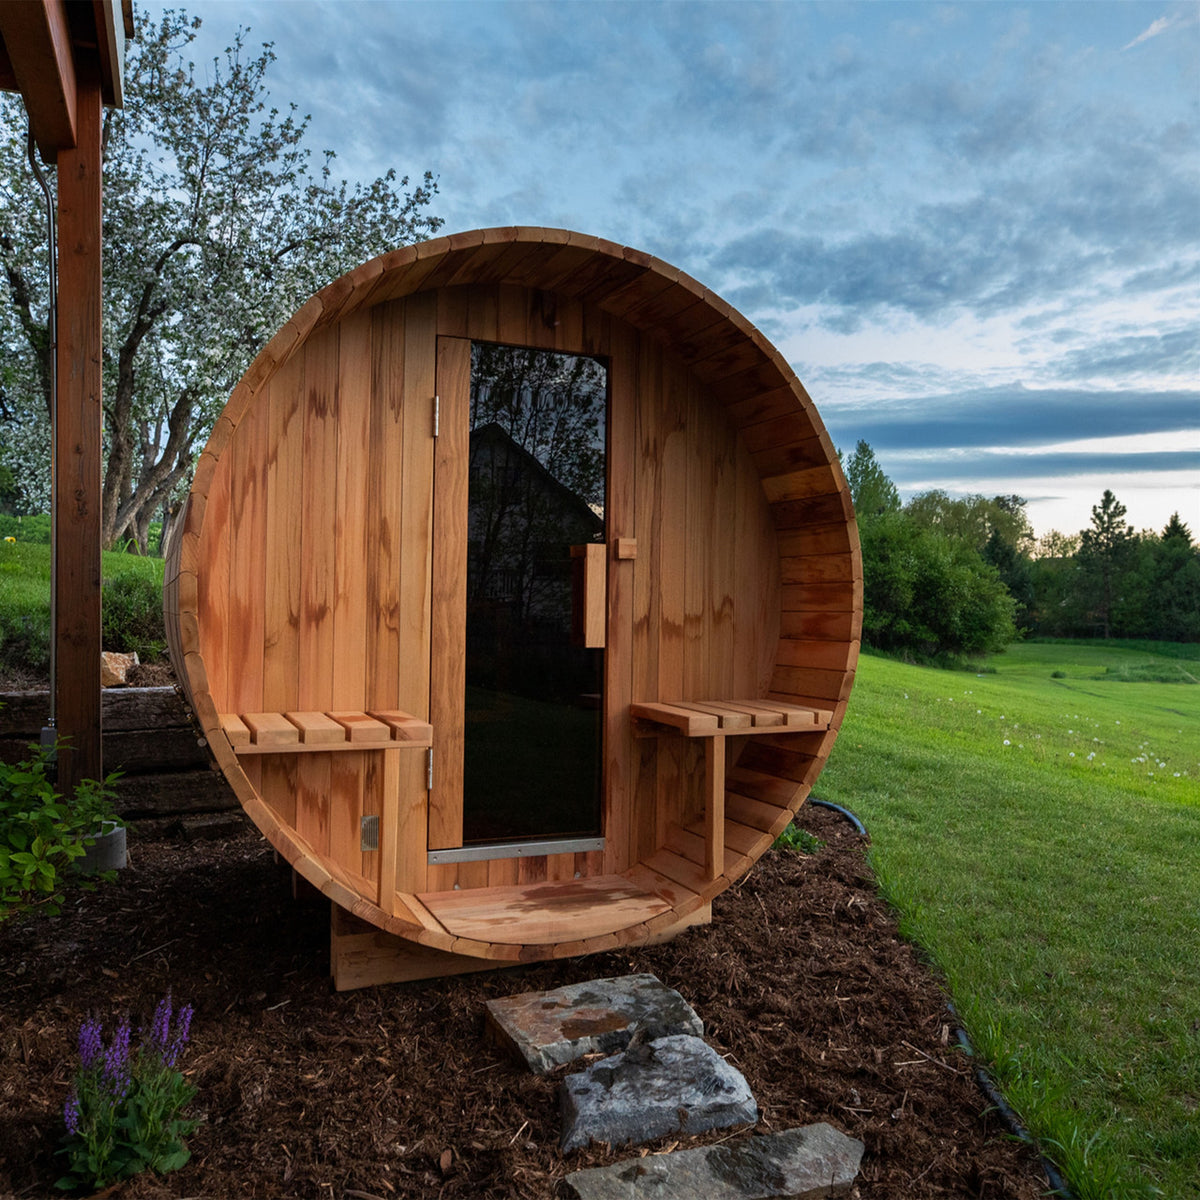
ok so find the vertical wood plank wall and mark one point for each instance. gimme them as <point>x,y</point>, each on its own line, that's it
<point>322,593</point>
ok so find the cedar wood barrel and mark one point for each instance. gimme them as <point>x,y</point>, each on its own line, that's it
<point>315,594</point>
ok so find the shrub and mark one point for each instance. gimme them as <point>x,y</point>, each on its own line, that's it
<point>131,615</point>
<point>25,640</point>
<point>41,834</point>
<point>34,528</point>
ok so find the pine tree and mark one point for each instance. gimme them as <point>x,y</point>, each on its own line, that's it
<point>870,489</point>
<point>1104,553</point>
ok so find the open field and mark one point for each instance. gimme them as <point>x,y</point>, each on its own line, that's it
<point>1039,830</point>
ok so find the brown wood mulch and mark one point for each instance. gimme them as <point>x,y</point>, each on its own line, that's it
<point>802,981</point>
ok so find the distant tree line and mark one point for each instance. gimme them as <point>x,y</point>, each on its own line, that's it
<point>961,576</point>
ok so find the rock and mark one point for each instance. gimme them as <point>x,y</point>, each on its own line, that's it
<point>673,1084</point>
<point>115,668</point>
<point>547,1029</point>
<point>796,1164</point>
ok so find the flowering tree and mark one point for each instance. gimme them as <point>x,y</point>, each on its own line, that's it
<point>217,225</point>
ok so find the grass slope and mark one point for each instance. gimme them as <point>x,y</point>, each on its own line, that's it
<point>25,600</point>
<point>1041,839</point>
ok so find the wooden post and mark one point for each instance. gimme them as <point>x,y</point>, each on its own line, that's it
<point>77,449</point>
<point>714,806</point>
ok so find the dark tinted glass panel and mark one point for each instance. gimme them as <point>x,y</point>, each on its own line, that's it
<point>536,488</point>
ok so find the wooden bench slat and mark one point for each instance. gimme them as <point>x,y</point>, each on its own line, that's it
<point>689,723</point>
<point>728,717</point>
<point>271,729</point>
<point>235,730</point>
<point>716,718</point>
<point>316,729</point>
<point>405,727</point>
<point>317,732</point>
<point>362,729</point>
<point>764,714</point>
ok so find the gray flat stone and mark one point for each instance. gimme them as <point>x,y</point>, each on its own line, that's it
<point>676,1084</point>
<point>547,1029</point>
<point>796,1164</point>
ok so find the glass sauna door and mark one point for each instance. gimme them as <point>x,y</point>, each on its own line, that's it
<point>534,450</point>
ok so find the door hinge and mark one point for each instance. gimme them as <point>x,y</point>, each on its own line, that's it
<point>437,413</point>
<point>429,770</point>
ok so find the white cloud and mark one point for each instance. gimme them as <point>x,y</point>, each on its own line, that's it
<point>1154,29</point>
<point>1176,441</point>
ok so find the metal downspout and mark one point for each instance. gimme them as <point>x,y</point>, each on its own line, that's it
<point>50,732</point>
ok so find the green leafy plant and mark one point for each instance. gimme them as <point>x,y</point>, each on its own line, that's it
<point>124,1114</point>
<point>795,838</point>
<point>41,833</point>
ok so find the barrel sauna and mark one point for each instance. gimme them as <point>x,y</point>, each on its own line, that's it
<point>518,594</point>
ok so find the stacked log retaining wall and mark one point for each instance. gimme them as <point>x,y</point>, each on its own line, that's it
<point>149,735</point>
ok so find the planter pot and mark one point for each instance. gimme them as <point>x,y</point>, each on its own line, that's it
<point>108,853</point>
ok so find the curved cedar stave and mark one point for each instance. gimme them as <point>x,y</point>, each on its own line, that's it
<point>793,616</point>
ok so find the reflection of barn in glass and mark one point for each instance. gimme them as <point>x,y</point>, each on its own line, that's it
<point>518,596</point>
<point>536,489</point>
<point>537,476</point>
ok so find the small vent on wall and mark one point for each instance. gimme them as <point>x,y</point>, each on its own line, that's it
<point>369,827</point>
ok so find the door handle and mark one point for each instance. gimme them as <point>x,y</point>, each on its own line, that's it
<point>589,578</point>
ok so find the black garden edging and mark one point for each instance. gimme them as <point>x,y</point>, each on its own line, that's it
<point>987,1085</point>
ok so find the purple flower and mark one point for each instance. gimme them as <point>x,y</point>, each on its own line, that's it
<point>71,1113</point>
<point>90,1045</point>
<point>116,1063</point>
<point>160,1027</point>
<point>183,1025</point>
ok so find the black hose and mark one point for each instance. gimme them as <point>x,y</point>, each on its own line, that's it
<point>1058,1184</point>
<point>839,809</point>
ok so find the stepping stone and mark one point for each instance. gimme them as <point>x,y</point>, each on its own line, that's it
<point>676,1084</point>
<point>547,1029</point>
<point>796,1164</point>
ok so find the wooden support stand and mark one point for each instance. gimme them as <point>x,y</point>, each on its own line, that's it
<point>713,721</point>
<point>362,955</point>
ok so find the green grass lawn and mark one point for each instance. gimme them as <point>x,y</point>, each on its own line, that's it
<point>25,602</point>
<point>1039,831</point>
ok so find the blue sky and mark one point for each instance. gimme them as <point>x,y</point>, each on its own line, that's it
<point>973,229</point>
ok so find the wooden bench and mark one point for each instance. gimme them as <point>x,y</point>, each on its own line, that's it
<point>313,732</point>
<point>714,721</point>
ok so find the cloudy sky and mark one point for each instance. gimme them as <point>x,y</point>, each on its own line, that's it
<point>973,229</point>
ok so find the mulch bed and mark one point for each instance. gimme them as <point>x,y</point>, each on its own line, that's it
<point>802,981</point>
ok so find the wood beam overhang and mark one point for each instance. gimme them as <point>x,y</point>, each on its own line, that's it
<point>37,40</point>
<point>44,44</point>
<point>114,23</point>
